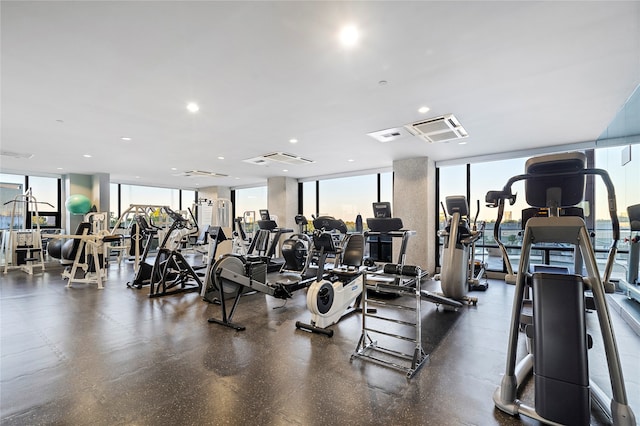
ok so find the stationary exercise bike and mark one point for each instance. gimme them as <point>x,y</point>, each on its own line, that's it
<point>296,248</point>
<point>557,329</point>
<point>337,294</point>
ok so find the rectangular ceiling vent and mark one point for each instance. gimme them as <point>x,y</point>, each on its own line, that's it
<point>389,135</point>
<point>278,157</point>
<point>439,129</point>
<point>16,154</point>
<point>199,173</point>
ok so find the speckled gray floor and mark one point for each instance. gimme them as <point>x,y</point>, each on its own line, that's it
<point>83,356</point>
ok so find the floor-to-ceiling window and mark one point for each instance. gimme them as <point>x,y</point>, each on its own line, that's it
<point>247,204</point>
<point>149,195</point>
<point>485,176</point>
<point>346,198</point>
<point>625,176</point>
<point>490,176</point>
<point>11,186</point>
<point>45,191</point>
<point>386,187</point>
<point>309,197</point>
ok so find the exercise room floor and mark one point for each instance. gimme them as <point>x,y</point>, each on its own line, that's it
<point>82,356</point>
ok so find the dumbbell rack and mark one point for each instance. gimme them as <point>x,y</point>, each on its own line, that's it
<point>368,348</point>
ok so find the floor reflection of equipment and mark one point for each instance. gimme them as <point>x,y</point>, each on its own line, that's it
<point>557,331</point>
<point>457,274</point>
<point>630,285</point>
<point>338,294</point>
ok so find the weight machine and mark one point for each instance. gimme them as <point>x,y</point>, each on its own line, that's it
<point>88,249</point>
<point>22,248</point>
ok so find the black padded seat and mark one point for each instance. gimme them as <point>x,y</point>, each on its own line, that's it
<point>384,224</point>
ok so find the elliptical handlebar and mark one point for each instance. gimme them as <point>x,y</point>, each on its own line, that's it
<point>497,199</point>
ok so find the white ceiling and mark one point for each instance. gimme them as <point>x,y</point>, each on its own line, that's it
<point>77,76</point>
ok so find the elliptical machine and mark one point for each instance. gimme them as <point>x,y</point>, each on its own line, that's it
<point>558,356</point>
<point>458,263</point>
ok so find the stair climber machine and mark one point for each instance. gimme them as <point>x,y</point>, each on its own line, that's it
<point>144,233</point>
<point>630,285</point>
<point>457,274</point>
<point>171,272</point>
<point>557,338</point>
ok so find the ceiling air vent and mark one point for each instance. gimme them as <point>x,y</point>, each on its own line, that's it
<point>16,154</point>
<point>199,173</point>
<point>439,129</point>
<point>389,135</point>
<point>279,157</point>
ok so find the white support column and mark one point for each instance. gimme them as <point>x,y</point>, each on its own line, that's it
<point>282,200</point>
<point>414,198</point>
<point>101,191</point>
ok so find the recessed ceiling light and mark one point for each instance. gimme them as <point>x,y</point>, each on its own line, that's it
<point>349,35</point>
<point>193,107</point>
<point>137,177</point>
<point>237,178</point>
<point>351,160</point>
<point>220,158</point>
<point>174,168</point>
<point>462,143</point>
<point>59,168</point>
<point>423,110</point>
<point>125,138</point>
<point>293,140</point>
<point>285,170</point>
<point>87,155</point>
